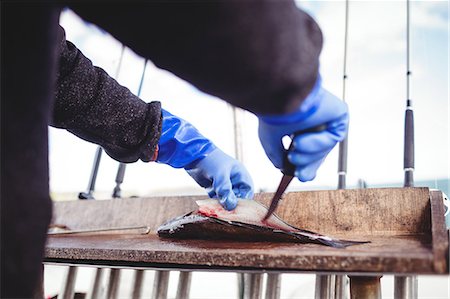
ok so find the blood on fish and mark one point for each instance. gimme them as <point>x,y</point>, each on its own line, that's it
<point>207,212</point>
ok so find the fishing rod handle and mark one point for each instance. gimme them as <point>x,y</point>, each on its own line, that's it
<point>408,159</point>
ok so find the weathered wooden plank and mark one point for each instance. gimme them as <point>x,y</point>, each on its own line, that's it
<point>381,211</point>
<point>439,232</point>
<point>83,214</point>
<point>385,211</point>
<point>386,255</point>
<point>397,221</point>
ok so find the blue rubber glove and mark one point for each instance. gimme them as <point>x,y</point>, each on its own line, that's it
<point>309,149</point>
<point>182,146</point>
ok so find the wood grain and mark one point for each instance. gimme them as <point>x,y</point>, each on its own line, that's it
<point>399,222</point>
<point>385,255</point>
<point>381,211</point>
<point>439,232</point>
<point>120,212</point>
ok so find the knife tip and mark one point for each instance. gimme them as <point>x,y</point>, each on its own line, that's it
<point>267,216</point>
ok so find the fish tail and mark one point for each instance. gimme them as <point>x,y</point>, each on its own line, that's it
<point>336,243</point>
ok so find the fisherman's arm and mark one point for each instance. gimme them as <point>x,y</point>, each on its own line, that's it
<point>95,107</point>
<point>92,105</point>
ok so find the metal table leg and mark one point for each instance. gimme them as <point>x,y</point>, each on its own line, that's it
<point>161,285</point>
<point>405,287</point>
<point>112,291</point>
<point>325,286</point>
<point>240,285</point>
<point>68,285</point>
<point>184,285</point>
<point>365,287</point>
<point>96,287</point>
<point>341,287</point>
<point>137,284</point>
<point>253,286</point>
<point>273,286</point>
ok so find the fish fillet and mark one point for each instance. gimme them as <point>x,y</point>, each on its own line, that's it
<point>212,221</point>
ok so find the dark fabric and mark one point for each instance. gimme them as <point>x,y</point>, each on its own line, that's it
<point>93,106</point>
<point>28,65</point>
<point>260,55</point>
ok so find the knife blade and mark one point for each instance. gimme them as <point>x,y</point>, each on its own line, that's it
<point>288,170</point>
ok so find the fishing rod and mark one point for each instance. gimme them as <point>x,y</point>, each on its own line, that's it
<point>341,281</point>
<point>334,286</point>
<point>96,284</point>
<point>408,150</point>
<point>343,145</point>
<point>117,192</point>
<point>407,286</point>
<point>98,153</point>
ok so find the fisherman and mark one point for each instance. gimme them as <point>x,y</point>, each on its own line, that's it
<point>258,55</point>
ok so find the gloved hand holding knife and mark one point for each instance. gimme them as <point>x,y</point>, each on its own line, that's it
<point>316,127</point>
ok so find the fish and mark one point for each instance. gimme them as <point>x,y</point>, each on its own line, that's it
<point>212,222</point>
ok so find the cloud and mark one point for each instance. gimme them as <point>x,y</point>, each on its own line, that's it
<point>430,14</point>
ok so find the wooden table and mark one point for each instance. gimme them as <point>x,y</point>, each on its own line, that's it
<point>405,227</point>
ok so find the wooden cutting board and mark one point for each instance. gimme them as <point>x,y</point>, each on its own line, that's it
<point>406,228</point>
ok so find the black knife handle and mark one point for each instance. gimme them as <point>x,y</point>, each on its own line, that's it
<point>288,167</point>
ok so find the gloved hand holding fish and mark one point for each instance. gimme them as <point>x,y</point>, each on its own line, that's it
<point>245,223</point>
<point>182,146</point>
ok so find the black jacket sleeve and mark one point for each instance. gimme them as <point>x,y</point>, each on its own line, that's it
<point>92,105</point>
<point>261,55</point>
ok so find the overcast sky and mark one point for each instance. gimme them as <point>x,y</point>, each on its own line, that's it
<point>376,91</point>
